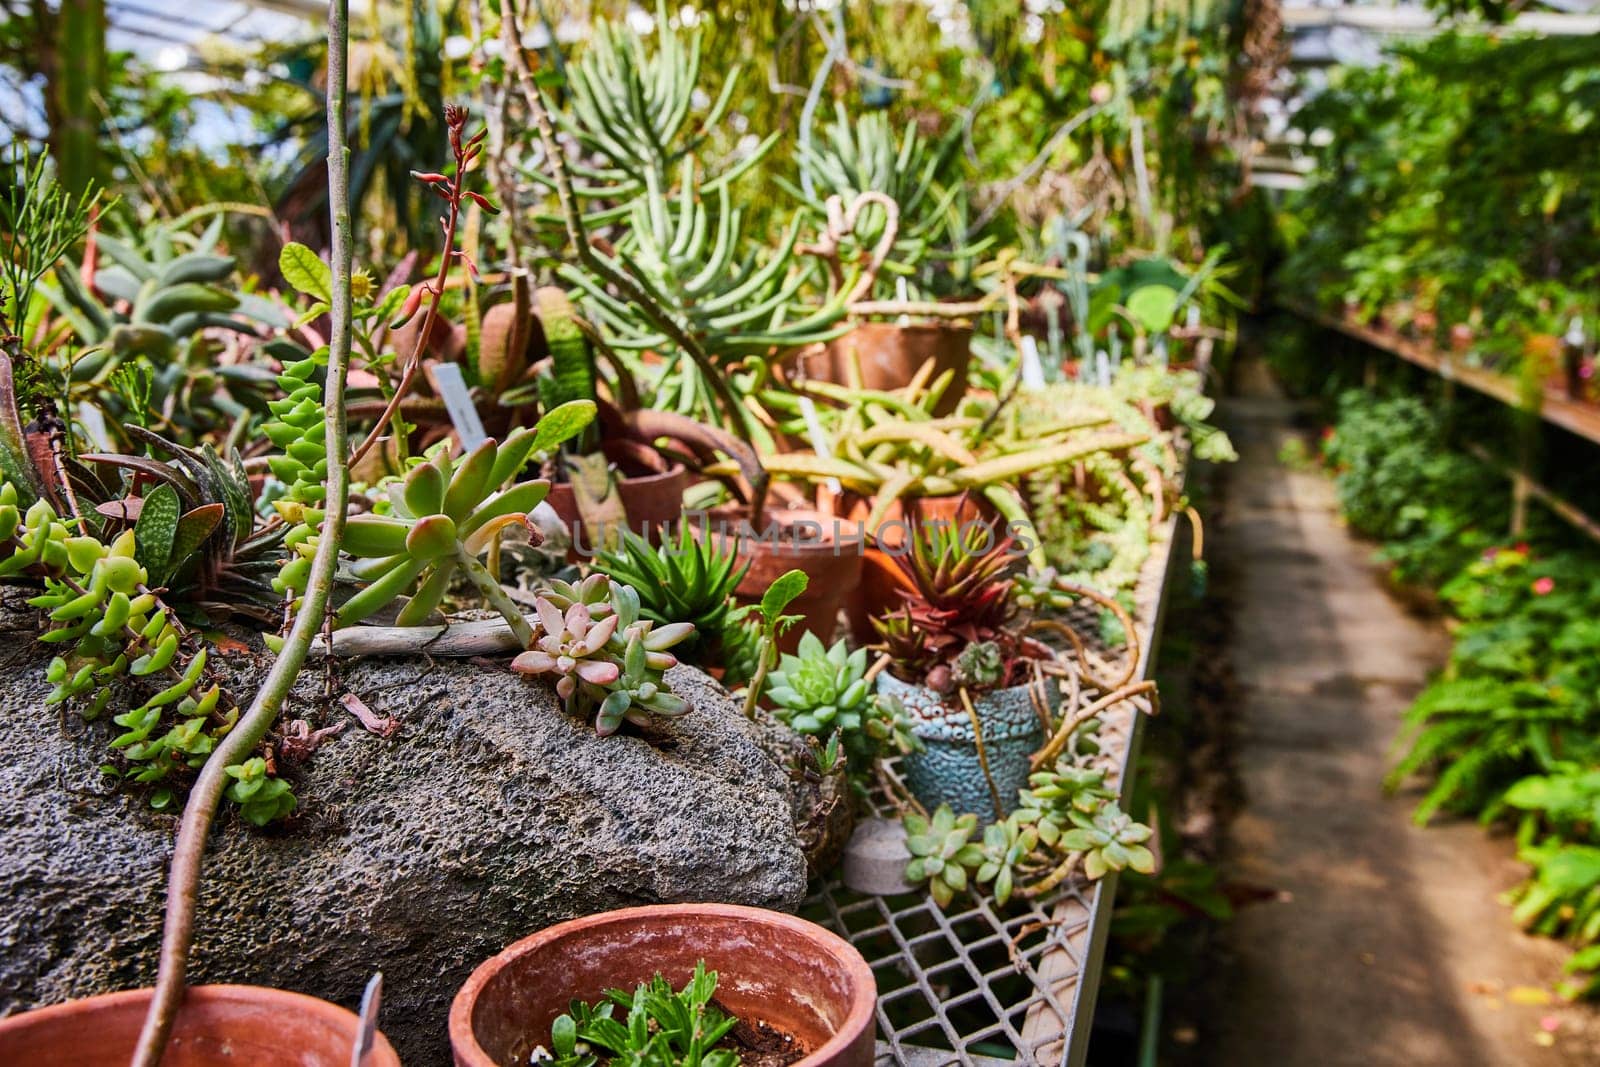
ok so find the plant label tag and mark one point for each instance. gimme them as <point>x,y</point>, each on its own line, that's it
<point>94,424</point>
<point>819,440</point>
<point>452,389</point>
<point>1032,367</point>
<point>1102,368</point>
<point>902,294</point>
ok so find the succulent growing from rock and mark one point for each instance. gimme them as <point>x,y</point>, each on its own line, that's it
<point>683,579</point>
<point>602,656</point>
<point>821,689</point>
<point>117,637</point>
<point>444,515</point>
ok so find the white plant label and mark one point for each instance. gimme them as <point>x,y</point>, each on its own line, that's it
<point>819,440</point>
<point>452,388</point>
<point>1032,366</point>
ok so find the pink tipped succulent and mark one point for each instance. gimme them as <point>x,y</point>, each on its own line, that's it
<point>570,647</point>
<point>602,656</point>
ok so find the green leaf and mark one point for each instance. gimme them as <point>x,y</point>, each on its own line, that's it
<point>564,1035</point>
<point>781,593</point>
<point>157,529</point>
<point>1154,306</point>
<point>562,424</point>
<point>193,529</point>
<point>305,271</point>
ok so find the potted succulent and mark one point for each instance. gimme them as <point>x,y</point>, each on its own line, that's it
<point>774,971</point>
<point>903,209</point>
<point>898,466</point>
<point>961,664</point>
<point>217,1024</point>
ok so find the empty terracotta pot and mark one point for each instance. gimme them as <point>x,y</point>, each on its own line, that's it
<point>890,354</point>
<point>217,1025</point>
<point>771,968</point>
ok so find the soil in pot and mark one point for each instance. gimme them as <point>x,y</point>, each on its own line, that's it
<point>218,1025</point>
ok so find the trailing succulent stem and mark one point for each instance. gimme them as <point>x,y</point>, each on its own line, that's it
<point>113,631</point>
<point>189,852</point>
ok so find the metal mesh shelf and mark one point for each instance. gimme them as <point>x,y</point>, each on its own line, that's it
<point>976,985</point>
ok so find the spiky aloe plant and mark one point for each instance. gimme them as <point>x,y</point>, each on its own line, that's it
<point>958,595</point>
<point>684,579</point>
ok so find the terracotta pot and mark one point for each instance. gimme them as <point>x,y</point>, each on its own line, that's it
<point>650,500</point>
<point>877,593</point>
<point>890,355</point>
<point>805,540</point>
<point>218,1024</point>
<point>771,968</point>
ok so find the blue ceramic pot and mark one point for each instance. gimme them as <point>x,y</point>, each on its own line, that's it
<point>947,770</point>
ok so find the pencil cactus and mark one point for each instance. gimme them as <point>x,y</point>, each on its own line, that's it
<point>631,106</point>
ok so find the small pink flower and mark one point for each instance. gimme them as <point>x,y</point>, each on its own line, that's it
<point>1491,552</point>
<point>1544,586</point>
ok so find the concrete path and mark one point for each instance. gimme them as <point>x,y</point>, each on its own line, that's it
<point>1386,944</point>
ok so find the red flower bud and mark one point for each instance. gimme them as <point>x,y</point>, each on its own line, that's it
<point>413,301</point>
<point>431,176</point>
<point>483,202</point>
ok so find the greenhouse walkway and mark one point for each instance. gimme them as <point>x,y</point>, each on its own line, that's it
<point>1385,943</point>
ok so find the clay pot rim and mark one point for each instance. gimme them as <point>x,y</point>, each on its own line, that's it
<point>863,1003</point>
<point>674,470</point>
<point>283,1000</point>
<point>916,325</point>
<point>827,546</point>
